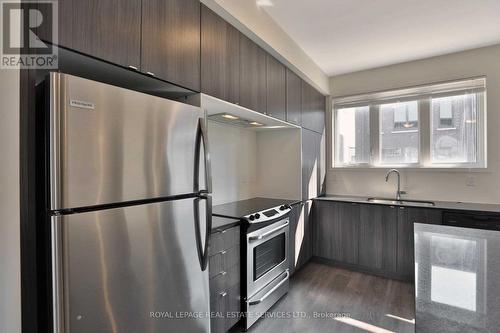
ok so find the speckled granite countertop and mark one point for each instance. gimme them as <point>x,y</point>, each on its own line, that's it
<point>467,206</point>
<point>221,223</point>
<point>457,279</point>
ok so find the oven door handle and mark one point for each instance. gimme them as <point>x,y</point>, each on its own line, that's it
<point>267,233</point>
<point>266,295</point>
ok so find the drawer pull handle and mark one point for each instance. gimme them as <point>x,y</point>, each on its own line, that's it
<point>150,73</point>
<point>266,295</point>
<point>223,294</point>
<point>220,231</point>
<point>223,252</point>
<point>221,273</point>
<point>133,67</point>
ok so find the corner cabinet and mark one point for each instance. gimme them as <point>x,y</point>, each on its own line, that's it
<point>336,231</point>
<point>313,109</point>
<point>312,165</point>
<point>220,57</point>
<point>253,85</point>
<point>105,29</point>
<point>171,41</point>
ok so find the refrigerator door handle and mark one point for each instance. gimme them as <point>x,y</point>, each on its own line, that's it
<point>202,137</point>
<point>203,249</point>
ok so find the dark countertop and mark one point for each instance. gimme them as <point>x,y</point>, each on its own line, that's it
<point>457,279</point>
<point>238,209</point>
<point>221,223</point>
<point>466,206</point>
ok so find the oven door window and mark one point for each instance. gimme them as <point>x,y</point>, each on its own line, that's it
<point>268,255</point>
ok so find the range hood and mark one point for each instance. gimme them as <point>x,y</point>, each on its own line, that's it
<point>235,115</point>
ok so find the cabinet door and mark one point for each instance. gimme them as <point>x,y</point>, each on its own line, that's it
<point>312,179</point>
<point>252,75</point>
<point>406,218</point>
<point>276,88</point>
<point>303,236</point>
<point>325,226</point>
<point>313,109</point>
<point>348,235</point>
<point>171,41</point>
<point>336,231</point>
<point>293,98</point>
<point>378,237</point>
<point>105,29</point>
<point>220,57</point>
<point>296,221</point>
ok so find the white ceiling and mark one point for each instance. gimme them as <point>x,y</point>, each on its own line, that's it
<point>344,36</point>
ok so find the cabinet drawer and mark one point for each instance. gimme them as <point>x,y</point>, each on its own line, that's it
<point>223,260</point>
<point>225,309</point>
<point>223,240</point>
<point>223,282</point>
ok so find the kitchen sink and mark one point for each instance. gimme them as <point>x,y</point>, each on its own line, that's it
<point>418,203</point>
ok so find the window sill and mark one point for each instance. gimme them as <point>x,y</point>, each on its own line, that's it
<point>413,168</point>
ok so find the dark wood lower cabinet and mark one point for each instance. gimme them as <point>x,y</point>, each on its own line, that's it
<point>224,272</point>
<point>335,231</point>
<point>371,238</point>
<point>407,217</point>
<point>378,234</point>
<point>303,236</point>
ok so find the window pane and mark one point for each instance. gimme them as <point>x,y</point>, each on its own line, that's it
<point>454,129</point>
<point>399,133</point>
<point>352,135</point>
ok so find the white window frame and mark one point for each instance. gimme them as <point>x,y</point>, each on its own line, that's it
<point>423,94</point>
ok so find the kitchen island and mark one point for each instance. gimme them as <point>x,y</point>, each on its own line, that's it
<point>457,279</point>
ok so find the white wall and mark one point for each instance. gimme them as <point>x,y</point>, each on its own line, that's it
<point>10,265</point>
<point>260,27</point>
<point>279,164</point>
<point>248,164</point>
<point>234,167</point>
<point>428,184</point>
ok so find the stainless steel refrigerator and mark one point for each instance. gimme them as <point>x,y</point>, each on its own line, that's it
<point>130,210</point>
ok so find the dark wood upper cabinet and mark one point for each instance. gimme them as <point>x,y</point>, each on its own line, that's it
<point>312,181</point>
<point>171,40</point>
<point>220,57</point>
<point>252,75</point>
<point>276,88</point>
<point>293,98</point>
<point>106,29</point>
<point>313,108</point>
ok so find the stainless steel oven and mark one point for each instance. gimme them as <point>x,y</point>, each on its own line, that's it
<point>267,255</point>
<point>266,268</point>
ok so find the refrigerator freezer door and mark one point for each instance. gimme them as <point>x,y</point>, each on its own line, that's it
<point>111,145</point>
<point>133,269</point>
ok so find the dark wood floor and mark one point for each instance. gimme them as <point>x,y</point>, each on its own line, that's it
<point>369,303</point>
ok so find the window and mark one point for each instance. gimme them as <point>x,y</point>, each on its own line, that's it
<point>399,135</point>
<point>353,136</point>
<point>434,126</point>
<point>454,141</point>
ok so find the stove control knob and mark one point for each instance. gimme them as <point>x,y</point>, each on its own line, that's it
<point>251,218</point>
<point>257,216</point>
<point>282,207</point>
